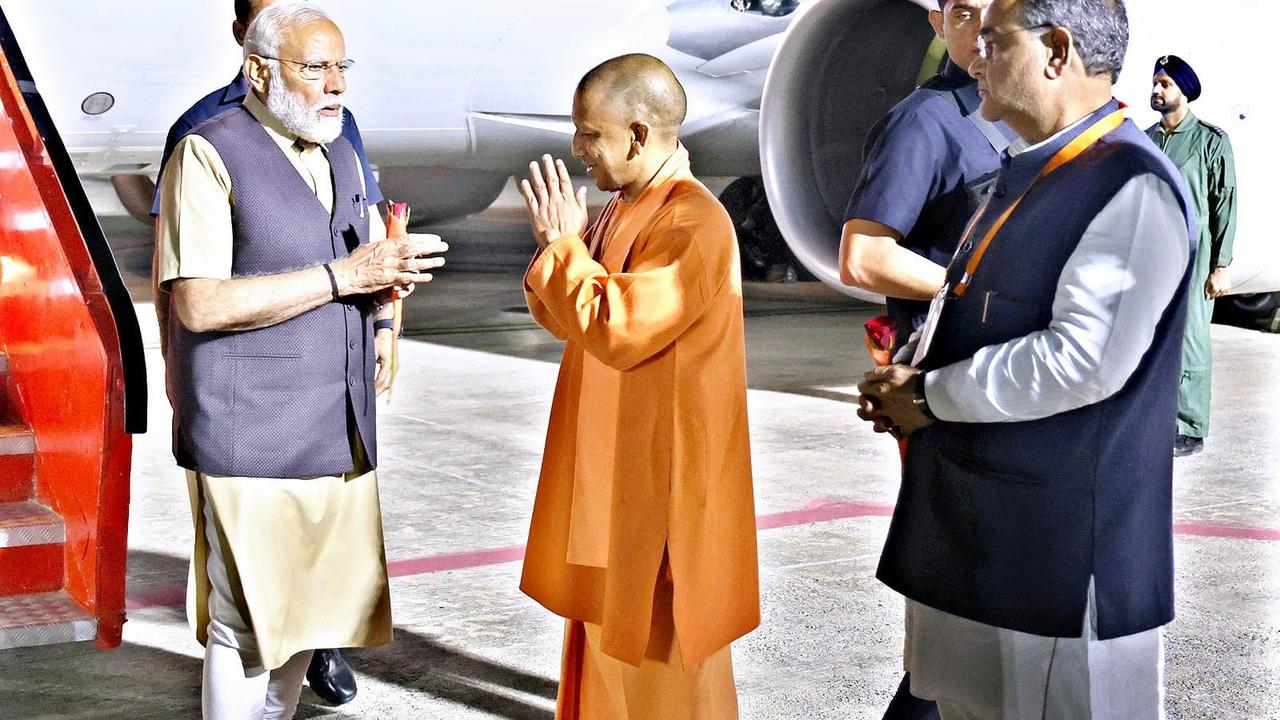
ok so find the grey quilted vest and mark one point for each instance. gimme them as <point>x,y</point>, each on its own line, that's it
<point>276,402</point>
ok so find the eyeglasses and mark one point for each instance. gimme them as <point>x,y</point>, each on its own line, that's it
<point>316,70</point>
<point>987,39</point>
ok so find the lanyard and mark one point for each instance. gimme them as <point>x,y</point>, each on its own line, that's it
<point>1073,150</point>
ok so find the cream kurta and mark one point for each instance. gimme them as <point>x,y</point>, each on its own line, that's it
<point>647,450</point>
<point>304,556</point>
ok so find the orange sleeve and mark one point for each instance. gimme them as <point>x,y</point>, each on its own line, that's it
<point>625,318</point>
<point>537,309</point>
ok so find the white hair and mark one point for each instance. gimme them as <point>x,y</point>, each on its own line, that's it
<point>264,39</point>
<point>1100,29</point>
<point>266,32</point>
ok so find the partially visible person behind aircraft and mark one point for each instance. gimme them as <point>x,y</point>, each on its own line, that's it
<point>643,530</point>
<point>927,164</point>
<point>1203,155</point>
<point>329,675</point>
<point>1033,533</point>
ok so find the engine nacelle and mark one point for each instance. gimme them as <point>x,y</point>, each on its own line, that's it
<point>437,194</point>
<point>842,65</point>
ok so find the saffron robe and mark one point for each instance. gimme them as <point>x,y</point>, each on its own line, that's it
<point>647,454</point>
<point>594,686</point>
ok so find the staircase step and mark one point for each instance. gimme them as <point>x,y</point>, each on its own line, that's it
<point>30,523</point>
<point>16,440</point>
<point>17,470</point>
<point>32,541</point>
<point>31,569</point>
<point>17,473</point>
<point>5,412</point>
<point>43,619</point>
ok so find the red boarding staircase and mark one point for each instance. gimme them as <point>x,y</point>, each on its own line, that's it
<point>72,386</point>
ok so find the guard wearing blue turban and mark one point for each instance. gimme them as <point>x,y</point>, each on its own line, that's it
<point>1180,73</point>
<point>1202,153</point>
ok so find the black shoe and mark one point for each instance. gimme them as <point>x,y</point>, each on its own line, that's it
<point>1186,445</point>
<point>331,678</point>
<point>906,706</point>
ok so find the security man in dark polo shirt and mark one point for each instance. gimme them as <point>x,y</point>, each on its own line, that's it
<point>926,165</point>
<point>329,675</point>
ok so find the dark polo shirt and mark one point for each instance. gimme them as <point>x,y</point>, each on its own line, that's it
<point>925,164</point>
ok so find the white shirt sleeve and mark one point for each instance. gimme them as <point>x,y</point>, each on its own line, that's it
<point>1111,295</point>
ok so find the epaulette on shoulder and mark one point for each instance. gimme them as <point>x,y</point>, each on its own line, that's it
<point>1216,130</point>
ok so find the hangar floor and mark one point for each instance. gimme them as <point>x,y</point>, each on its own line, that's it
<point>460,443</point>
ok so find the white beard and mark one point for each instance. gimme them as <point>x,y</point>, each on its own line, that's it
<point>302,120</point>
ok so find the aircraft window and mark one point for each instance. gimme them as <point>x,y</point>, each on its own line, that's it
<point>97,103</point>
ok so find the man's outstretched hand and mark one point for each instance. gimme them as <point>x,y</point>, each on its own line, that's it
<point>393,263</point>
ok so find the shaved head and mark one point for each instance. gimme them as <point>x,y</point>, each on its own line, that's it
<point>640,86</point>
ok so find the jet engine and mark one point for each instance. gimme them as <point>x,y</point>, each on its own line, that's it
<point>438,194</point>
<point>841,66</point>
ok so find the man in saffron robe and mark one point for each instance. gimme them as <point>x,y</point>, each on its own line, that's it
<point>643,530</point>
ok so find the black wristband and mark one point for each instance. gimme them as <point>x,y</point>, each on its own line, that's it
<point>333,281</point>
<point>384,324</point>
<point>918,398</point>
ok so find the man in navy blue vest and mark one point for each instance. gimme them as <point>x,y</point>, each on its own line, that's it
<point>1033,535</point>
<point>278,277</point>
<point>329,674</point>
<point>925,167</point>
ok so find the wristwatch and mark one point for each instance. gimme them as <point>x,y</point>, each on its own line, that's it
<point>919,400</point>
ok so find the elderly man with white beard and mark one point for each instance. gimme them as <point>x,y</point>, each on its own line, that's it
<point>278,339</point>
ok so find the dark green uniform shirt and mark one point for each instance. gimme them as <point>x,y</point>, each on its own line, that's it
<point>1203,153</point>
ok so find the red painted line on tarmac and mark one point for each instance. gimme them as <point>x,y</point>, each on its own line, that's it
<point>1234,532</point>
<point>819,511</point>
<point>455,561</point>
<point>822,511</point>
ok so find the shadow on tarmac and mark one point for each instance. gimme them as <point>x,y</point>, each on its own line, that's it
<point>420,663</point>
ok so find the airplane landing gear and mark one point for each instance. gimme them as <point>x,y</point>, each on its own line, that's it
<point>772,8</point>
<point>765,255</point>
<point>1260,311</point>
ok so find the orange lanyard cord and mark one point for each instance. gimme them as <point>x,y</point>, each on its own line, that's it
<point>1074,149</point>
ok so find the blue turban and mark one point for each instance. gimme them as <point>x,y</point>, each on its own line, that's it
<point>1181,74</point>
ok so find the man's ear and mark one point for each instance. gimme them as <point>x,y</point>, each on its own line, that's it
<point>258,74</point>
<point>639,138</point>
<point>1060,45</point>
<point>935,19</point>
<point>238,31</point>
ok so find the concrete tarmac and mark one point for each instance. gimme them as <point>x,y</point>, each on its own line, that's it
<point>461,439</point>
